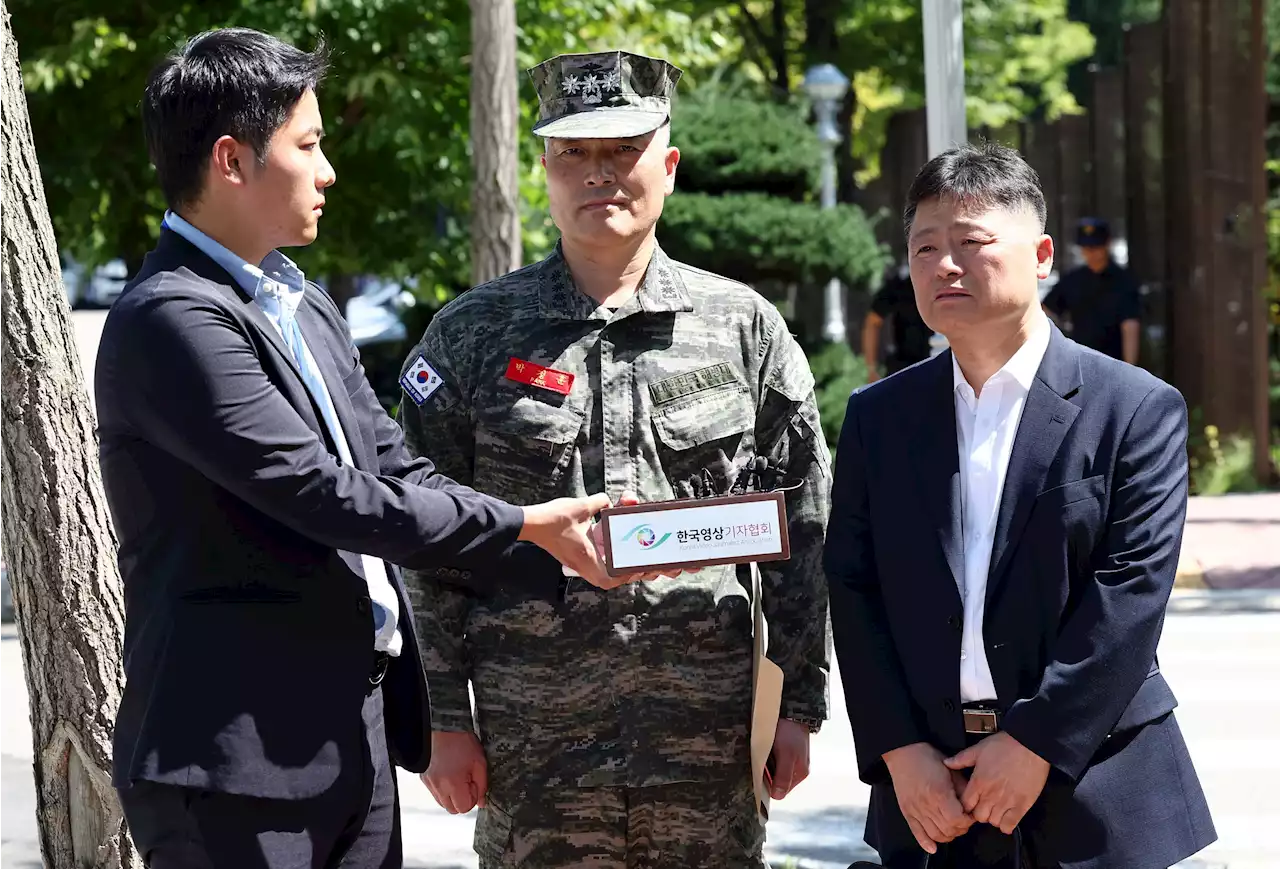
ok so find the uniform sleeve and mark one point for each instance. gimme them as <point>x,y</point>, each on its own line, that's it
<point>440,427</point>
<point>794,592</point>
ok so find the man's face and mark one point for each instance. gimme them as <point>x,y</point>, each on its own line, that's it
<point>973,266</point>
<point>605,192</point>
<point>284,195</point>
<point>1096,256</point>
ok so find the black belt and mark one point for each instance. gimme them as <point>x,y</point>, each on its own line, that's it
<point>981,717</point>
<point>379,671</point>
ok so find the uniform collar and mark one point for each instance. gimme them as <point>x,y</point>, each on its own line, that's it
<point>661,290</point>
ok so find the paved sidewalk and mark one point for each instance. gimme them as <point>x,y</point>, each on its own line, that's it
<point>1219,650</point>
<point>1232,541</point>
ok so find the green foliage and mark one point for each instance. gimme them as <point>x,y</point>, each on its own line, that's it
<point>396,109</point>
<point>1222,465</point>
<point>744,205</point>
<point>1272,291</point>
<point>733,143</point>
<point>754,237</point>
<point>837,372</point>
<point>1017,53</point>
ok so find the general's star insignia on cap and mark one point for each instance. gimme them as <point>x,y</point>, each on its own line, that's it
<point>606,95</point>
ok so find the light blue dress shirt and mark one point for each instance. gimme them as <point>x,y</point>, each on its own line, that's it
<point>277,287</point>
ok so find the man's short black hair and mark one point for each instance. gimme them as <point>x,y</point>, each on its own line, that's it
<point>988,175</point>
<point>232,82</point>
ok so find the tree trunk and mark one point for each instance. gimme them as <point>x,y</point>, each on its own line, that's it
<point>781,60</point>
<point>58,538</point>
<point>495,112</point>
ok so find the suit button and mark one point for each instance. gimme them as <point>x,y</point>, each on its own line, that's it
<point>362,605</point>
<point>955,622</point>
<point>949,705</point>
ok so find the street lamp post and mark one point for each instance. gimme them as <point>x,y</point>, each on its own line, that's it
<point>826,86</point>
<point>944,88</point>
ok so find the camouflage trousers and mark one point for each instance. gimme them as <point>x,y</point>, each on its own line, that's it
<point>677,826</point>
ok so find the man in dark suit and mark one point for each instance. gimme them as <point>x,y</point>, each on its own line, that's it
<point>1004,534</point>
<point>261,496</point>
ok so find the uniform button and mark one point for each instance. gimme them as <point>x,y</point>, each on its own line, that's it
<point>955,622</point>
<point>362,605</point>
<point>963,655</point>
<point>949,705</point>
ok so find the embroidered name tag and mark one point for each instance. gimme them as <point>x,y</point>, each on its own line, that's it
<point>537,375</point>
<point>420,381</point>
<point>692,381</point>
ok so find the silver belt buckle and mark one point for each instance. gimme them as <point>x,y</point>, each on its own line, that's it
<point>980,721</point>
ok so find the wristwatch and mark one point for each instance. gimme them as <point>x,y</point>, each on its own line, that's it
<point>813,724</point>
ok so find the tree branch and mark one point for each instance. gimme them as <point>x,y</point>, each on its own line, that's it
<point>774,48</point>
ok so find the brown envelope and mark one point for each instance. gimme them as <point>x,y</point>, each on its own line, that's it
<point>766,698</point>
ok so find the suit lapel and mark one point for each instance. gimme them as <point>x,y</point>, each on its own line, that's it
<point>313,331</point>
<point>1047,416</point>
<point>173,247</point>
<point>937,464</point>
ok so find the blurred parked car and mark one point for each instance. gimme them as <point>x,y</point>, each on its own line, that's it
<point>97,289</point>
<point>375,317</point>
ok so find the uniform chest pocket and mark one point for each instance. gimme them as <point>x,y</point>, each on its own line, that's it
<point>523,450</point>
<point>710,431</point>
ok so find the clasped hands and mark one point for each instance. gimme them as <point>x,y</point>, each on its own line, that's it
<point>565,529</point>
<point>941,803</point>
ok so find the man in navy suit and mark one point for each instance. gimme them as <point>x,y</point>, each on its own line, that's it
<point>262,499</point>
<point>1004,534</point>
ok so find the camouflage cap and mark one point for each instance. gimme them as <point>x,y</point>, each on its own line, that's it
<point>606,95</point>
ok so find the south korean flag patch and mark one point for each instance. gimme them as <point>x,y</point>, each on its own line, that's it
<point>420,381</point>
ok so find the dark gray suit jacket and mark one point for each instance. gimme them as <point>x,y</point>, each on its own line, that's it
<point>248,627</point>
<point>1086,549</point>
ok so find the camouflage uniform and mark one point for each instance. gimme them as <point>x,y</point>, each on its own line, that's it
<point>615,723</point>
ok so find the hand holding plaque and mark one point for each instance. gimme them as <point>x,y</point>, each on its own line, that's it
<point>667,537</point>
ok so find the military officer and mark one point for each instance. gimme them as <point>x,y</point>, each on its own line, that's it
<point>613,726</point>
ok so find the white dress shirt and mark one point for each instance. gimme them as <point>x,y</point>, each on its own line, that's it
<point>986,425</point>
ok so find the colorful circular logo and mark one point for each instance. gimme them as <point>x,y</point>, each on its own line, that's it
<point>646,537</point>
<point>422,377</point>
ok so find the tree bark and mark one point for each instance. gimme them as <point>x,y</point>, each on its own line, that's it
<point>58,538</point>
<point>495,195</point>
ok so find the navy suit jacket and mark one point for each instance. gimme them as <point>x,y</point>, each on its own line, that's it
<point>1085,553</point>
<point>248,637</point>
